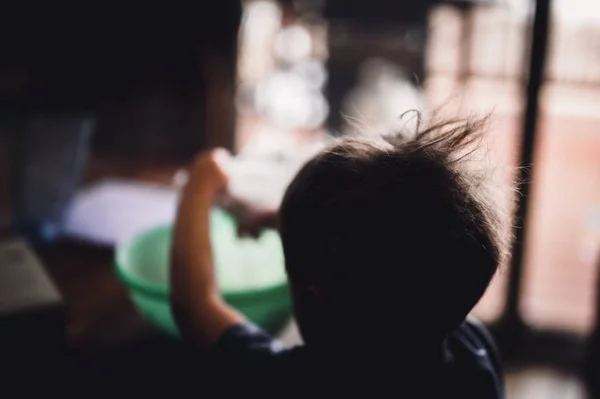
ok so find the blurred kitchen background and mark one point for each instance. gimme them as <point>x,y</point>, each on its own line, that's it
<point>96,131</point>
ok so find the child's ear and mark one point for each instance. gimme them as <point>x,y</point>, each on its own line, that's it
<point>309,297</point>
<point>315,296</point>
<point>309,312</point>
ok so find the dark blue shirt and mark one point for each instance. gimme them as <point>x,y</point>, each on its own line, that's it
<point>468,366</point>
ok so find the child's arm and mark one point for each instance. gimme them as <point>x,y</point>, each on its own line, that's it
<point>201,314</point>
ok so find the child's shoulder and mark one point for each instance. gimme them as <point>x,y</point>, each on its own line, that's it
<point>470,351</point>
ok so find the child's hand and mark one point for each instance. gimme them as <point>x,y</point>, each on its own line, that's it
<point>255,221</point>
<point>208,175</point>
<point>252,220</point>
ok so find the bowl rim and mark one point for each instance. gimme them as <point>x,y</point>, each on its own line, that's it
<point>154,290</point>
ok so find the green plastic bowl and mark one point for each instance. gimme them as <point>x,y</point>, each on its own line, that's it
<point>250,274</point>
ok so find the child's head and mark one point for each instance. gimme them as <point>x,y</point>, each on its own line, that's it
<point>380,232</point>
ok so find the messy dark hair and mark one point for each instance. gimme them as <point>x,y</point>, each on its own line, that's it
<point>396,224</point>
